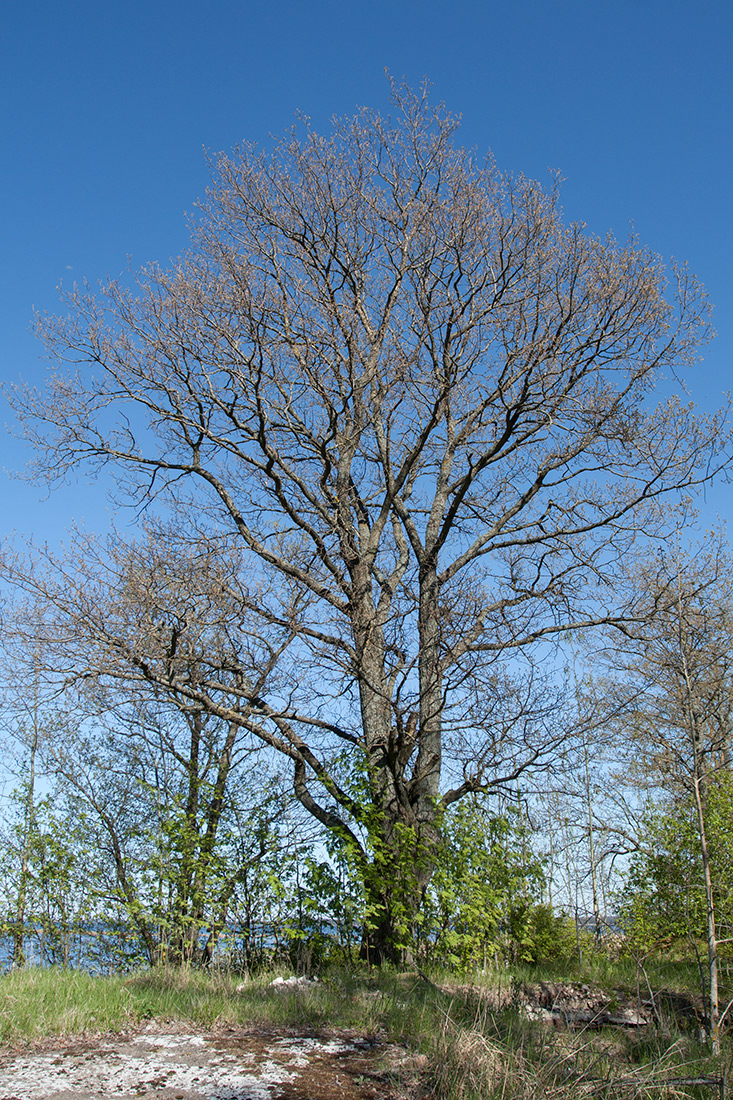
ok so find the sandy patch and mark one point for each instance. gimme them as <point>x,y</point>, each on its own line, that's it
<point>169,1064</point>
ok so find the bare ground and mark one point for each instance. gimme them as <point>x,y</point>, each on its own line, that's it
<point>170,1062</point>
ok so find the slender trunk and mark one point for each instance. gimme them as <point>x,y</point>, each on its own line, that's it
<point>698,792</point>
<point>713,997</point>
<point>132,904</point>
<point>202,864</point>
<point>18,958</point>
<point>550,854</point>
<point>183,933</point>
<point>591,847</point>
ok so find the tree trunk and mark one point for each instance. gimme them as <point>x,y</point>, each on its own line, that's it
<point>395,883</point>
<point>18,957</point>
<point>713,996</point>
<point>591,846</point>
<point>698,782</point>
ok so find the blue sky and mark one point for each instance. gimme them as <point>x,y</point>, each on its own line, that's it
<point>108,107</point>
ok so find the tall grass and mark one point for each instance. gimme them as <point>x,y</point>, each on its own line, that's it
<point>624,972</point>
<point>467,1049</point>
<point>502,1056</point>
<point>36,1002</point>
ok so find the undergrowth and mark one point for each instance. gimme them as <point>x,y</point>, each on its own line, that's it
<point>472,1045</point>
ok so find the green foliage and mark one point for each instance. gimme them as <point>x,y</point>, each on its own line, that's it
<point>481,904</point>
<point>548,937</point>
<point>482,898</point>
<point>664,897</point>
<point>64,871</point>
<point>52,858</point>
<point>330,888</point>
<point>114,891</point>
<point>392,881</point>
<point>374,885</point>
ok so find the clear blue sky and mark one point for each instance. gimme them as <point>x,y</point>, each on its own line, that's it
<point>107,107</point>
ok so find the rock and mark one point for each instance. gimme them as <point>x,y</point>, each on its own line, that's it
<point>293,981</point>
<point>536,1012</point>
<point>627,1017</point>
<point>571,1004</point>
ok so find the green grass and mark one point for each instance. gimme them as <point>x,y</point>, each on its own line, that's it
<point>469,1049</point>
<point>37,1002</point>
<point>600,969</point>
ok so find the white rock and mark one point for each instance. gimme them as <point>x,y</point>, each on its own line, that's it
<point>293,981</point>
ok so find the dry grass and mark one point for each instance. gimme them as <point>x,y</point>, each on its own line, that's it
<point>468,1046</point>
<point>500,1054</point>
<point>466,1064</point>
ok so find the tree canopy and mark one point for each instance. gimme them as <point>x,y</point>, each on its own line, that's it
<point>401,418</point>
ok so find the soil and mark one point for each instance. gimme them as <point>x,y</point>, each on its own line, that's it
<point>169,1062</point>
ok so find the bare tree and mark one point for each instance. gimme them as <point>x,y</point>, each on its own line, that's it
<point>676,677</point>
<point>418,404</point>
<point>26,728</point>
<point>93,630</point>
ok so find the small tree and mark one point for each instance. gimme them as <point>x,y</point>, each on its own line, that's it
<point>485,887</point>
<point>663,899</point>
<point>56,870</point>
<point>678,690</point>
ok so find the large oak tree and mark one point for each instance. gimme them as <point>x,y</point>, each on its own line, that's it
<point>416,406</point>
